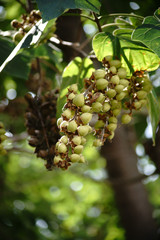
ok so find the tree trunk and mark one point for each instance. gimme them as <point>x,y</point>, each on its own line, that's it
<point>131,197</point>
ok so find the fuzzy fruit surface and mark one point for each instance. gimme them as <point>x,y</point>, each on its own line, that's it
<point>122,72</point>
<point>99,73</point>
<point>62,148</point>
<point>115,79</point>
<point>101,84</point>
<point>97,143</point>
<point>72,126</point>
<point>78,100</point>
<point>126,118</point>
<point>85,108</point>
<point>96,107</point>
<point>112,126</point>
<point>73,88</point>
<point>99,124</point>
<point>67,113</point>
<point>76,140</point>
<point>106,107</point>
<point>111,93</point>
<point>64,139</point>
<point>83,130</point>
<point>74,157</point>
<point>115,63</point>
<point>141,94</point>
<point>86,117</point>
<point>57,159</point>
<point>78,149</point>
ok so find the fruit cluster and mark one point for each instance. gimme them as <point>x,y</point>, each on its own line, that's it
<point>107,93</point>
<point>28,21</point>
<point>41,125</point>
<point>2,138</point>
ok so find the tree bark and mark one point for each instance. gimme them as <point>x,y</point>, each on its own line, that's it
<point>131,196</point>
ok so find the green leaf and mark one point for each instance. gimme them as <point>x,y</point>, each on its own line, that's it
<point>30,38</point>
<point>149,34</point>
<point>123,33</point>
<point>154,112</point>
<point>75,72</point>
<point>134,56</point>
<point>53,9</point>
<point>123,23</point>
<point>19,66</point>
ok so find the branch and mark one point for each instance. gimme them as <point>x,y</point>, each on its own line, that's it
<point>97,22</point>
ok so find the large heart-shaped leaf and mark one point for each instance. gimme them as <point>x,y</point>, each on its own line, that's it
<point>52,9</point>
<point>134,56</point>
<point>154,112</point>
<point>75,72</point>
<point>149,33</point>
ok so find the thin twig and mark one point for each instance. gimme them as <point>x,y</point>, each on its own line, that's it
<point>97,22</point>
<point>121,14</point>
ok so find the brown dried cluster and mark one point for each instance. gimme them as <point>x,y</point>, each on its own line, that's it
<point>41,125</point>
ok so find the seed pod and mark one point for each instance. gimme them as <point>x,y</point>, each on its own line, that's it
<point>97,143</point>
<point>109,58</point>
<point>17,37</point>
<point>112,120</point>
<point>111,93</point>
<point>115,63</point>
<point>99,73</point>
<point>113,69</point>
<point>83,140</point>
<point>78,149</point>
<point>122,72</point>
<point>64,139</point>
<point>63,124</point>
<point>73,88</point>
<point>83,130</point>
<point>141,94</point>
<point>115,104</point>
<point>137,105</point>
<point>85,108</point>
<point>62,148</point>
<point>99,124</point>
<point>143,102</point>
<point>72,126</point>
<point>112,126</point>
<point>124,82</point>
<point>59,121</point>
<point>101,84</point>
<point>110,137</point>
<point>86,118</point>
<point>120,96</point>
<point>119,88</point>
<point>115,79</point>
<point>71,96</point>
<point>74,157</point>
<point>67,113</point>
<point>116,112</point>
<point>96,107</point>
<point>126,118</point>
<point>76,140</point>
<point>57,159</point>
<point>82,160</point>
<point>100,98</point>
<point>78,100</point>
<point>106,107</point>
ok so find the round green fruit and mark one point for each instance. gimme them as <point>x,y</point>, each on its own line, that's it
<point>62,148</point>
<point>111,126</point>
<point>111,93</point>
<point>86,117</point>
<point>122,72</point>
<point>97,143</point>
<point>115,79</point>
<point>99,73</point>
<point>96,107</point>
<point>83,130</point>
<point>112,120</point>
<point>78,100</point>
<point>86,108</point>
<point>101,84</point>
<point>74,157</point>
<point>106,107</point>
<point>113,69</point>
<point>72,126</point>
<point>64,139</point>
<point>67,113</point>
<point>76,140</point>
<point>78,149</point>
<point>141,94</point>
<point>115,63</point>
<point>57,159</point>
<point>73,88</point>
<point>126,118</point>
<point>119,88</point>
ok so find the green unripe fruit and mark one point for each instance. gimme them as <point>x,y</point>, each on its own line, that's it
<point>109,58</point>
<point>71,96</point>
<point>99,73</point>
<point>78,100</point>
<point>82,160</point>
<point>97,143</point>
<point>63,124</point>
<point>83,140</point>
<point>59,121</point>
<point>141,94</point>
<point>120,96</point>
<point>67,113</point>
<point>115,104</point>
<point>143,102</point>
<point>2,131</point>
<point>64,139</point>
<point>76,140</point>
<point>57,159</point>
<point>86,117</point>
<point>57,144</point>
<point>116,112</point>
<point>99,124</point>
<point>1,125</point>
<point>113,69</point>
<point>115,79</point>
<point>89,129</point>
<point>73,88</point>
<point>106,107</point>
<point>147,86</point>
<point>111,93</point>
<point>119,88</point>
<point>62,148</point>
<point>78,149</point>
<point>115,63</point>
<point>110,137</point>
<point>124,82</point>
<point>101,84</point>
<point>139,79</point>
<point>137,105</point>
<point>96,107</point>
<point>83,130</point>
<point>26,28</point>
<point>112,120</point>
<point>122,72</point>
<point>100,98</point>
<point>126,118</point>
<point>17,37</point>
<point>112,126</point>
<point>74,157</point>
<point>72,126</point>
<point>85,108</point>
